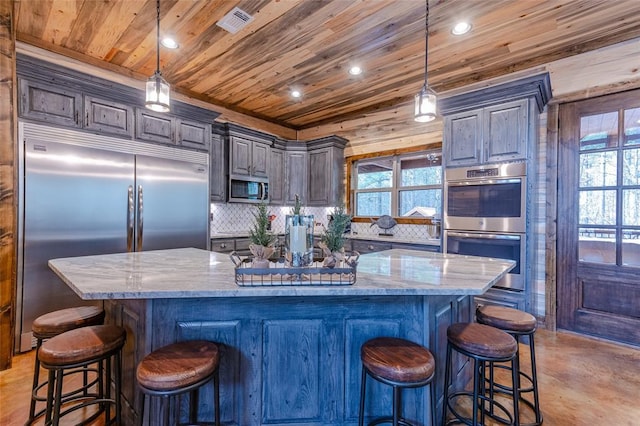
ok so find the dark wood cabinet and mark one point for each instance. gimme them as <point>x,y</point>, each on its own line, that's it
<point>193,134</point>
<point>218,180</point>
<point>249,157</point>
<point>50,103</point>
<point>326,171</point>
<point>154,126</point>
<point>487,135</point>
<point>108,117</point>
<point>277,176</point>
<point>295,176</point>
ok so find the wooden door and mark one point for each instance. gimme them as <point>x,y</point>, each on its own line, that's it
<point>598,250</point>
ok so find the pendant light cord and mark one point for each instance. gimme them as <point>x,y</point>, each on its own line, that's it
<point>158,36</point>
<point>426,43</point>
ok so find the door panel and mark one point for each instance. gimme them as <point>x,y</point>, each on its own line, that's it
<point>598,217</point>
<point>175,203</point>
<point>75,203</point>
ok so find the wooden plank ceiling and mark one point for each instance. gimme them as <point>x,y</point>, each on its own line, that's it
<point>309,44</point>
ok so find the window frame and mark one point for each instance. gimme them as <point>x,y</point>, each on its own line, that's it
<point>397,155</point>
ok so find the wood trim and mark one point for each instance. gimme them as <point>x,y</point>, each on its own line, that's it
<point>8,182</point>
<point>399,151</point>
<point>551,214</point>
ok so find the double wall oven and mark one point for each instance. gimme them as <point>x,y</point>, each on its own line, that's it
<point>485,214</point>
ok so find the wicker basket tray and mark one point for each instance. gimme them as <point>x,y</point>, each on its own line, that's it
<point>279,274</point>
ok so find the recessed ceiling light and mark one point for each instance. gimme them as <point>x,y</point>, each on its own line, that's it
<point>355,70</point>
<point>296,93</point>
<point>169,43</point>
<point>461,28</point>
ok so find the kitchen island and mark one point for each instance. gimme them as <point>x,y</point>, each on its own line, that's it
<point>290,353</point>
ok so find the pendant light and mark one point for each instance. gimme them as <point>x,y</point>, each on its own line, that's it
<point>425,103</point>
<point>157,87</point>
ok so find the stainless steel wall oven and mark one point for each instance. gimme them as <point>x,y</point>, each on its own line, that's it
<point>489,198</point>
<point>485,214</point>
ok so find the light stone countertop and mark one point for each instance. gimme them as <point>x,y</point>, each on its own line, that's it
<point>365,237</point>
<point>190,272</point>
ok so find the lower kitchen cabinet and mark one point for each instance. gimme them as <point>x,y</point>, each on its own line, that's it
<point>500,297</point>
<point>363,246</point>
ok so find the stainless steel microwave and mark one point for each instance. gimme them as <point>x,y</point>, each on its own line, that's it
<point>247,189</point>
<point>487,198</point>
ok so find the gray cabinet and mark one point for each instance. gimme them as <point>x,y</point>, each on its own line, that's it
<point>295,176</point>
<point>326,171</point>
<point>249,157</point>
<point>154,126</point>
<point>223,245</point>
<point>218,180</point>
<point>487,135</point>
<point>368,246</point>
<point>50,103</point>
<point>277,176</point>
<point>193,134</point>
<point>108,117</point>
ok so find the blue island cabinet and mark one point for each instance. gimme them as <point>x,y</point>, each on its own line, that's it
<point>291,360</point>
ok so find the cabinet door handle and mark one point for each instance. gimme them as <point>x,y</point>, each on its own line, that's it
<point>223,245</point>
<point>86,120</point>
<point>370,247</point>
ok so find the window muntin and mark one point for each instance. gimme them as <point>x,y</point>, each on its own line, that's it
<point>403,185</point>
<point>609,188</point>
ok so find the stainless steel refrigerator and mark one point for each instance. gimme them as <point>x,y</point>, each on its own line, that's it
<point>84,194</point>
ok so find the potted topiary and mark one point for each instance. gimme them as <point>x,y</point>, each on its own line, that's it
<point>332,240</point>
<point>262,240</point>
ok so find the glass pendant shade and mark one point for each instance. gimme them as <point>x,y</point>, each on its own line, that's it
<point>157,93</point>
<point>425,106</point>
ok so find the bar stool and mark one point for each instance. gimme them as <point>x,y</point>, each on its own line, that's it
<point>50,325</point>
<point>398,363</point>
<point>180,368</point>
<point>483,344</point>
<point>517,323</point>
<point>79,348</point>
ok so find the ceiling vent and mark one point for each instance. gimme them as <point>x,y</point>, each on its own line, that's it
<point>235,20</point>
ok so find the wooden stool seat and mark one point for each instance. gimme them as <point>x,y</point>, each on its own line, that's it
<point>398,360</point>
<point>81,345</point>
<point>482,340</point>
<point>401,364</point>
<point>178,365</point>
<point>177,369</point>
<point>507,319</point>
<point>57,322</point>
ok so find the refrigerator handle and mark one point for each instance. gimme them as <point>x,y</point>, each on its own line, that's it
<point>130,219</point>
<point>140,219</point>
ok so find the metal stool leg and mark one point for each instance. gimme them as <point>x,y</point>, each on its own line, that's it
<point>363,386</point>
<point>534,379</point>
<point>397,405</point>
<point>36,382</point>
<point>216,396</point>
<point>447,374</point>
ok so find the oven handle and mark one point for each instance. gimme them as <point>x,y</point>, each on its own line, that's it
<point>483,182</point>
<point>484,236</point>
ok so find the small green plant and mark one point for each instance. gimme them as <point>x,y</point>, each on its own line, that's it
<point>333,236</point>
<point>297,207</point>
<point>259,234</point>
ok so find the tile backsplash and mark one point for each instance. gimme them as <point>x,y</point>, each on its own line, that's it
<point>238,218</point>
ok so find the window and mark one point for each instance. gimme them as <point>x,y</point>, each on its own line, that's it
<point>609,188</point>
<point>407,185</point>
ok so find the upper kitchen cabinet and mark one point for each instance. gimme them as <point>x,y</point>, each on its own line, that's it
<point>288,172</point>
<point>495,124</point>
<point>107,116</point>
<point>60,96</point>
<point>326,171</point>
<point>50,103</point>
<point>154,126</point>
<point>277,173</point>
<point>218,164</point>
<point>487,135</point>
<point>250,152</point>
<point>193,134</point>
